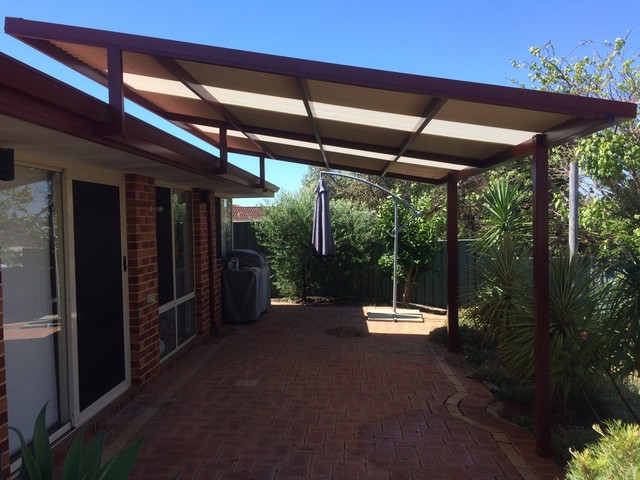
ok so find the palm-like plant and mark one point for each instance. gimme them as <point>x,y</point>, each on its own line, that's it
<point>573,317</point>
<point>505,214</point>
<point>621,331</point>
<point>504,302</point>
<point>504,295</point>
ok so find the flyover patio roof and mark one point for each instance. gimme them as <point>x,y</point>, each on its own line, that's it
<point>349,118</point>
<point>383,123</point>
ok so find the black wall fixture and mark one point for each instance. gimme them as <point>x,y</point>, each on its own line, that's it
<point>7,169</point>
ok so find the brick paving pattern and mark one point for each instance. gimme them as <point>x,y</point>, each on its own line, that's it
<point>281,399</point>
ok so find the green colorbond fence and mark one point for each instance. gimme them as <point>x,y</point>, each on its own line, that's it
<point>370,282</point>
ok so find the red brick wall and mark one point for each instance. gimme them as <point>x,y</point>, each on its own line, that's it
<point>201,264</point>
<point>217,273</point>
<point>217,294</point>
<point>4,417</point>
<point>143,279</point>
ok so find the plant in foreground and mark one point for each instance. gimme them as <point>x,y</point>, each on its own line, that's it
<point>615,455</point>
<point>83,461</point>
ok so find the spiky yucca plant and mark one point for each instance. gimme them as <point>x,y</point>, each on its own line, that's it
<point>573,318</point>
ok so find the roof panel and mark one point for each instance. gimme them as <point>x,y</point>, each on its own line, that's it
<point>368,98</point>
<point>500,116</point>
<point>362,133</point>
<point>455,147</point>
<point>241,80</point>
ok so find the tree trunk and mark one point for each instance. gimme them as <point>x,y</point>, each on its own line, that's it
<point>408,285</point>
<point>304,284</point>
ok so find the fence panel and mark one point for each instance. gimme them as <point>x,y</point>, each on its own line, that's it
<point>370,282</point>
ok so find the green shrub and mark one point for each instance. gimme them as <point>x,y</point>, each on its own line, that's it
<point>615,455</point>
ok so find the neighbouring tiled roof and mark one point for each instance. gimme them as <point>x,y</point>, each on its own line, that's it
<point>246,214</point>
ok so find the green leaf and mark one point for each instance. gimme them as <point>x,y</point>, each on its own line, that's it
<point>42,447</point>
<point>72,462</point>
<point>92,456</point>
<point>121,465</point>
<point>29,469</point>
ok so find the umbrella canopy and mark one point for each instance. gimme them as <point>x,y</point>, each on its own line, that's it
<point>322,236</point>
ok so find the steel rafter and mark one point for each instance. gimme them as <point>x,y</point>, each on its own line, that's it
<point>313,122</point>
<point>201,92</point>
<point>432,109</point>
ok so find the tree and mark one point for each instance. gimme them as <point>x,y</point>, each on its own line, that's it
<point>610,160</point>
<point>418,239</point>
<point>285,232</point>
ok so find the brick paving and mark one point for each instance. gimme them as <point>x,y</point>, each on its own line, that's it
<point>282,399</point>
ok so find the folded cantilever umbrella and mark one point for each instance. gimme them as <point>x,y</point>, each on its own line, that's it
<point>322,235</point>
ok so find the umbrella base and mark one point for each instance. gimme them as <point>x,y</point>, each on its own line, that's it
<point>387,315</point>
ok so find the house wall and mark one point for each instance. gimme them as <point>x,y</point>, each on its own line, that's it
<point>142,271</point>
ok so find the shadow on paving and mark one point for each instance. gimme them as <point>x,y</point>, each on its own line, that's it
<point>282,399</point>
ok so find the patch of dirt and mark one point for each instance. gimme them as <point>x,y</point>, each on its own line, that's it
<point>346,331</point>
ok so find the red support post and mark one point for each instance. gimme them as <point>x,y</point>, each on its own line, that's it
<point>116,92</point>
<point>224,152</point>
<point>541,295</point>
<point>452,263</point>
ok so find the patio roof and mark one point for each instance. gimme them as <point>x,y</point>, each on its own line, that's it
<point>349,118</point>
<point>63,120</point>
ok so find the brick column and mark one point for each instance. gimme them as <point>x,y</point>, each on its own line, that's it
<point>216,271</point>
<point>143,279</point>
<point>217,295</point>
<point>202,260</point>
<point>5,462</point>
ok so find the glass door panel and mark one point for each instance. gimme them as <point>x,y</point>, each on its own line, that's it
<point>35,326</point>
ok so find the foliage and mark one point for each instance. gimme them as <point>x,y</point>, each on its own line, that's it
<point>82,462</point>
<point>285,233</point>
<point>505,279</point>
<point>573,314</point>
<point>615,455</point>
<point>504,294</point>
<point>353,237</point>
<point>621,331</point>
<point>417,240</point>
<point>503,306</point>
<point>22,227</point>
<point>609,211</point>
<point>507,213</point>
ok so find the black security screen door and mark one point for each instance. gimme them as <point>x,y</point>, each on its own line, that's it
<point>98,268</point>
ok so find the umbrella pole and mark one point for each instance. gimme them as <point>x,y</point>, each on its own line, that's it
<point>395,259</point>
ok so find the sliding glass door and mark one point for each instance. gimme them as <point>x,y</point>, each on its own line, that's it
<point>35,323</point>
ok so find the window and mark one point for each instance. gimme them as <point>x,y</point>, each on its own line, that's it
<point>176,295</point>
<point>35,327</point>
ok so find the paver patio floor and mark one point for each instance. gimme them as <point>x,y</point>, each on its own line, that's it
<point>281,399</point>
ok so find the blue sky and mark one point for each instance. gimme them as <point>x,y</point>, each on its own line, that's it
<point>466,40</point>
